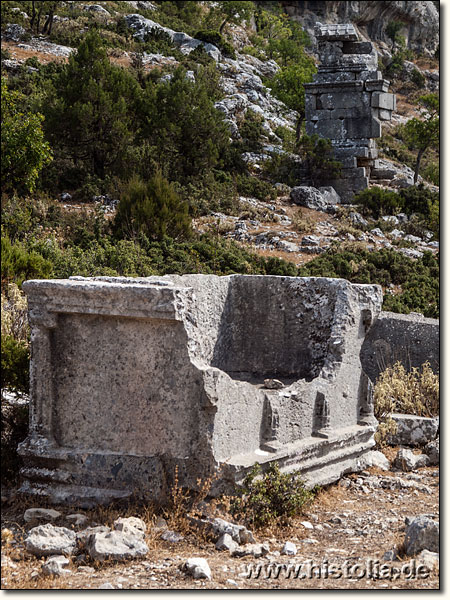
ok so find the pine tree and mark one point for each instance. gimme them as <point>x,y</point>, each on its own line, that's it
<point>92,115</point>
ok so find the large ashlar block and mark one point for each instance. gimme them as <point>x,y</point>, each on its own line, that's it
<point>131,378</point>
<point>383,100</point>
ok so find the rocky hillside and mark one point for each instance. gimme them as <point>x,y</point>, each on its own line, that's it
<point>152,137</point>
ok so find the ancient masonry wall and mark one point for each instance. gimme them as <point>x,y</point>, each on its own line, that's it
<point>346,103</point>
<point>132,377</point>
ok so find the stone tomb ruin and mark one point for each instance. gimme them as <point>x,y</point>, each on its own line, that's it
<point>131,377</point>
<point>346,103</point>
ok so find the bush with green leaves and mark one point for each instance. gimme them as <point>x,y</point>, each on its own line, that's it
<point>19,263</point>
<point>152,208</point>
<point>187,133</point>
<point>252,187</point>
<point>214,37</point>
<point>318,158</point>
<point>24,150</point>
<point>283,168</point>
<point>15,364</point>
<point>418,278</point>
<point>14,429</point>
<point>377,202</point>
<point>287,85</point>
<point>92,111</point>
<point>251,131</point>
<point>271,497</point>
<point>418,202</point>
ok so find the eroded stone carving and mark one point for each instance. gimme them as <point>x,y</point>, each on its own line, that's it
<point>131,377</point>
<point>347,102</point>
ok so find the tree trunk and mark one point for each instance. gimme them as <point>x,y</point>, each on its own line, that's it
<point>222,26</point>
<point>416,172</point>
<point>33,14</point>
<point>298,128</point>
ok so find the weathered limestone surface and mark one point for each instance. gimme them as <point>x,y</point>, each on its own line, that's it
<point>346,103</point>
<point>131,377</point>
<point>411,339</point>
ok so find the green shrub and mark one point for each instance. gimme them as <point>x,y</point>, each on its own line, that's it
<point>16,217</point>
<point>251,186</point>
<point>271,497</point>
<point>376,202</point>
<point>152,208</point>
<point>283,168</point>
<point>317,155</point>
<point>19,264</point>
<point>214,37</point>
<point>14,430</point>
<point>15,364</point>
<point>251,132</point>
<point>418,278</point>
<point>418,79</point>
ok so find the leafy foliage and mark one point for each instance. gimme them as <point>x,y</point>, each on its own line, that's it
<point>287,84</point>
<point>421,134</point>
<point>186,132</point>
<point>24,150</point>
<point>19,264</point>
<point>317,155</point>
<point>271,497</point>
<point>91,117</point>
<point>214,37</point>
<point>152,208</point>
<point>419,202</point>
<point>15,364</point>
<point>419,279</point>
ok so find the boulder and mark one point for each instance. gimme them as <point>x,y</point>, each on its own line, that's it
<point>84,535</point>
<point>77,519</point>
<point>13,32</point>
<point>46,540</point>
<point>330,195</point>
<point>131,526</point>
<point>289,549</point>
<point>226,542</point>
<point>429,559</point>
<point>432,451</point>
<point>378,459</point>
<point>422,533</point>
<point>172,537</point>
<point>407,461</point>
<point>33,515</point>
<point>198,568</point>
<point>255,550</point>
<point>55,566</point>
<point>116,545</point>
<point>239,533</point>
<point>309,197</point>
<point>413,430</point>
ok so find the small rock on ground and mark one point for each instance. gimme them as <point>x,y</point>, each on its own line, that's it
<point>46,540</point>
<point>55,566</point>
<point>198,568</point>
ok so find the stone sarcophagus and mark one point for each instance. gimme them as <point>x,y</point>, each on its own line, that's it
<point>132,378</point>
<point>347,102</point>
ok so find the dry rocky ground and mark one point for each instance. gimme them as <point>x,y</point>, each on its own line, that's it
<point>353,522</point>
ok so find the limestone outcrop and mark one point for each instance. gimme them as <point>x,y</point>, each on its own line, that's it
<point>421,19</point>
<point>133,378</point>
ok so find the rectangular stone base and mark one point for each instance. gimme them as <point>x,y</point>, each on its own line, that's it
<point>63,476</point>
